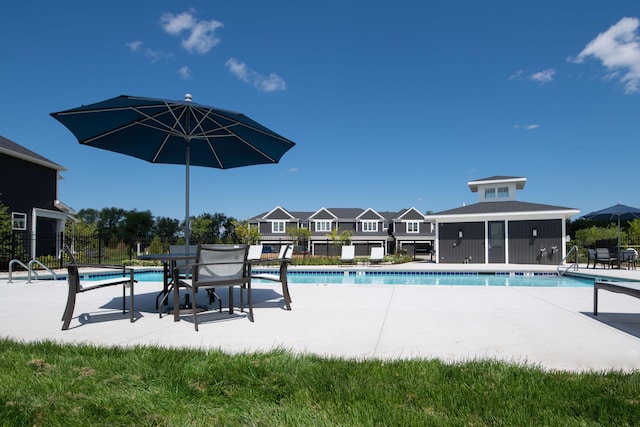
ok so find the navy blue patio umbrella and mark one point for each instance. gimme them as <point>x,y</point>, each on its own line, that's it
<point>176,132</point>
<point>616,212</point>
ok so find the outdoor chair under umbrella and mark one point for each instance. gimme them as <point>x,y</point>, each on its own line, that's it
<point>176,132</point>
<point>616,212</point>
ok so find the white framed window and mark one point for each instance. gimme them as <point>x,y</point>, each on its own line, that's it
<point>385,225</point>
<point>413,227</point>
<point>19,221</point>
<point>503,192</point>
<point>370,226</point>
<point>323,226</point>
<point>489,193</point>
<point>277,227</point>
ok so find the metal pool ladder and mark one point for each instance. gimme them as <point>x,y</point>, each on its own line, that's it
<point>562,269</point>
<point>30,269</point>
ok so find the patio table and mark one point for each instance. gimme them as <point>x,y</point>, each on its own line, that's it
<point>169,263</point>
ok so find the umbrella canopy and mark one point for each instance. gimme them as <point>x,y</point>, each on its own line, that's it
<point>616,212</point>
<point>176,132</point>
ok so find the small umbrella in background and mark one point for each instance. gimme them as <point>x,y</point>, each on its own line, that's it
<point>176,132</point>
<point>616,212</point>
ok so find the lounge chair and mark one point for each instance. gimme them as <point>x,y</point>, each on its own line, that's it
<point>348,255</point>
<point>255,252</point>
<point>76,286</point>
<point>377,255</point>
<point>216,266</point>
<point>591,256</point>
<point>284,261</point>
<point>604,257</point>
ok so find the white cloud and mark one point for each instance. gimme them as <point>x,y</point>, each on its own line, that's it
<point>293,170</point>
<point>517,75</point>
<point>134,46</point>
<point>543,77</point>
<point>201,34</point>
<point>185,73</point>
<point>153,55</point>
<point>526,127</point>
<point>270,83</point>
<point>618,49</point>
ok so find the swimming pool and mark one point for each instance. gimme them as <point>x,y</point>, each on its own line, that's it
<point>427,278</point>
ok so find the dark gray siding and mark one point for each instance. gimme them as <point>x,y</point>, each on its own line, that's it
<point>470,247</point>
<point>526,249</point>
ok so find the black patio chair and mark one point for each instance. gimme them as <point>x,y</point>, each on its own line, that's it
<point>219,266</point>
<point>76,286</point>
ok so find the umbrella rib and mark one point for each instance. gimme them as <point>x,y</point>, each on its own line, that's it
<point>229,129</point>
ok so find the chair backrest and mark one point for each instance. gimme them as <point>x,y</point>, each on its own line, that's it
<point>592,254</point>
<point>227,263</point>
<point>348,252</point>
<point>255,252</point>
<point>73,276</point>
<point>182,250</point>
<point>377,253</point>
<point>287,253</point>
<point>602,253</point>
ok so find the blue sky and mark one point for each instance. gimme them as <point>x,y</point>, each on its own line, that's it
<point>392,104</point>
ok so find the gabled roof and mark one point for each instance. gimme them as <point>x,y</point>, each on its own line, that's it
<point>13,149</point>
<point>369,214</point>
<point>339,213</point>
<point>498,179</point>
<point>501,207</point>
<point>409,214</point>
<point>278,213</point>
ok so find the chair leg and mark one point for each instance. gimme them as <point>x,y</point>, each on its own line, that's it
<point>68,311</point>
<point>249,301</point>
<point>132,310</point>
<point>285,294</point>
<point>194,306</point>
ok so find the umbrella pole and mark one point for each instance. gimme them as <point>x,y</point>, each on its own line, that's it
<point>187,226</point>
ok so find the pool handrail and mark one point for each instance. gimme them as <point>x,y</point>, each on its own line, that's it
<point>570,266</point>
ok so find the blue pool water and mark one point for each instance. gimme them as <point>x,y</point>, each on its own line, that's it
<point>410,278</point>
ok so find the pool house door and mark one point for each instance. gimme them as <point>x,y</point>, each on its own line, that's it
<point>496,246</point>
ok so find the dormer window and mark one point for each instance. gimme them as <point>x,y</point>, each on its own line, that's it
<point>489,193</point>
<point>323,226</point>
<point>277,227</point>
<point>370,226</point>
<point>413,227</point>
<point>503,192</point>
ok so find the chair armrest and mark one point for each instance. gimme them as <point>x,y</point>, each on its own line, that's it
<point>193,265</point>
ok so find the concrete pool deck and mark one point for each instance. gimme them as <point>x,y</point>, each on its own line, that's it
<point>553,328</point>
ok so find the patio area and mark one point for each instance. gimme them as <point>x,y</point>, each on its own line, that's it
<point>553,328</point>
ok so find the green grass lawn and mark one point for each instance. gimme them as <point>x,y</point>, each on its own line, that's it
<point>46,384</point>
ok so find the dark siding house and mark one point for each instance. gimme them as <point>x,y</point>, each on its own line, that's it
<point>29,188</point>
<point>367,228</point>
<point>498,229</point>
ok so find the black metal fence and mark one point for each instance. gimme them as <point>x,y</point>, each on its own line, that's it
<point>99,249</point>
<point>48,248</point>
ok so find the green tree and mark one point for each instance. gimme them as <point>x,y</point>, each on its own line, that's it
<point>5,232</point>
<point>245,234</point>
<point>299,235</point>
<point>135,225</point>
<point>201,227</point>
<point>88,216</point>
<point>109,221</point>
<point>634,231</point>
<point>166,227</point>
<point>156,246</point>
